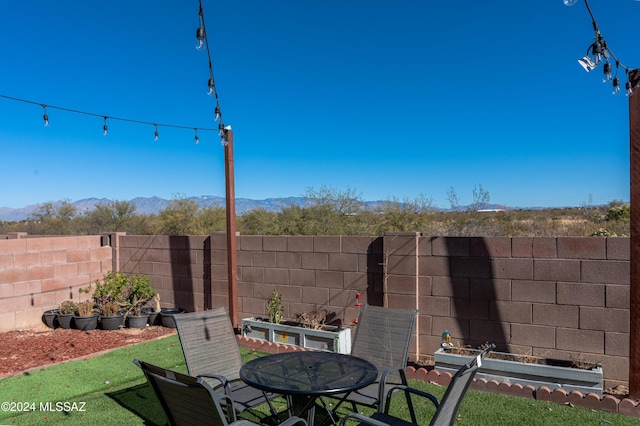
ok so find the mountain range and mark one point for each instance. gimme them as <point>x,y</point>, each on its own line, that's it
<point>153,205</point>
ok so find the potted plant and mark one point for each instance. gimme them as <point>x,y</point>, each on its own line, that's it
<point>66,311</point>
<point>274,307</point>
<point>86,318</point>
<point>109,296</point>
<point>526,370</point>
<point>307,331</point>
<point>111,316</point>
<point>139,292</point>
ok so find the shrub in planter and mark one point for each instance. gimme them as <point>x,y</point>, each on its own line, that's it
<point>138,293</point>
<point>66,311</point>
<point>86,317</point>
<point>111,316</point>
<point>274,307</point>
<point>110,289</point>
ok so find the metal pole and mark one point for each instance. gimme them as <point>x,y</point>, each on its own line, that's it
<point>634,278</point>
<point>232,257</point>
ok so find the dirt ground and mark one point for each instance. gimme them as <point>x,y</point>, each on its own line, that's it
<point>28,349</point>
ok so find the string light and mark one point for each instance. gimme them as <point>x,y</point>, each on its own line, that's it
<point>599,51</point>
<point>45,117</point>
<point>104,117</point>
<point>203,41</point>
<point>200,34</point>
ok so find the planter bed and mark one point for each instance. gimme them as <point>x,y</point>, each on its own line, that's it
<point>542,372</point>
<point>329,338</point>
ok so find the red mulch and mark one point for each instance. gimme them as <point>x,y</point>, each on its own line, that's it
<point>25,350</point>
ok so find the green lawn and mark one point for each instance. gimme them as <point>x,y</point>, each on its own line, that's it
<point>110,389</point>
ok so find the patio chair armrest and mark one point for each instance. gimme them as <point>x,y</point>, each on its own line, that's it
<point>383,384</point>
<point>223,381</point>
<point>293,420</point>
<point>228,402</point>
<point>407,391</point>
<point>362,419</point>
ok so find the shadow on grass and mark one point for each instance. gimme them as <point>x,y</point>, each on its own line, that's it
<point>141,401</point>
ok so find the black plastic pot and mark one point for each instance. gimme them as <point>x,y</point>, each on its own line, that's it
<point>137,321</point>
<point>111,322</point>
<point>65,320</point>
<point>86,323</point>
<point>51,318</point>
<point>167,316</point>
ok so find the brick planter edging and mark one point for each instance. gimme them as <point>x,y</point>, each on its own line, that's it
<point>609,403</point>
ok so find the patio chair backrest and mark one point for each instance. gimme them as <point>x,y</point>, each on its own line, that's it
<point>209,343</point>
<point>186,400</point>
<point>383,336</point>
<point>447,411</point>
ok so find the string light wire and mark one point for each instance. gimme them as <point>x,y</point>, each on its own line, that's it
<point>598,51</point>
<point>203,39</point>
<point>104,117</point>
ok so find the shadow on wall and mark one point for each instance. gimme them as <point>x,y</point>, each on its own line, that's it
<point>375,272</point>
<point>183,268</point>
<point>474,292</point>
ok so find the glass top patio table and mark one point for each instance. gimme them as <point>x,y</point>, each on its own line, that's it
<point>309,373</point>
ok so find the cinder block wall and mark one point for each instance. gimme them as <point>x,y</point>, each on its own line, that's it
<point>564,298</point>
<point>557,297</point>
<point>179,267</point>
<point>37,274</point>
<point>321,274</point>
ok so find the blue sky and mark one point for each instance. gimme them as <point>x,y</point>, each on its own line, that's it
<point>387,98</point>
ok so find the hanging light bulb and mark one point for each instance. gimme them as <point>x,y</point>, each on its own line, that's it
<point>607,72</point>
<point>598,48</point>
<point>45,117</point>
<point>587,63</point>
<point>155,135</point>
<point>217,112</point>
<point>197,138</point>
<point>569,2</point>
<point>616,85</point>
<point>223,134</point>
<point>200,37</point>
<point>212,85</point>
<point>105,129</point>
<point>629,88</point>
<point>200,34</point>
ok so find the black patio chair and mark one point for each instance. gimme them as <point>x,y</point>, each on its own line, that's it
<point>382,337</point>
<point>188,400</point>
<point>211,350</point>
<point>446,409</point>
